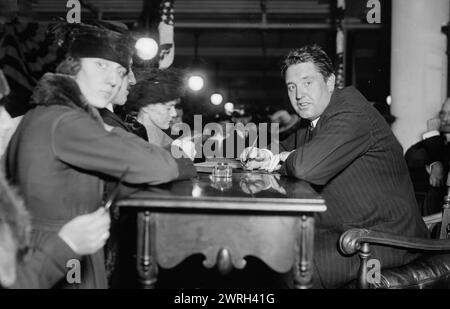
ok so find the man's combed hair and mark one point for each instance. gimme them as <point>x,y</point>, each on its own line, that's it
<point>310,53</point>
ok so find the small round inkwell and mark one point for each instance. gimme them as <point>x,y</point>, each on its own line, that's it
<point>221,176</point>
<point>222,170</point>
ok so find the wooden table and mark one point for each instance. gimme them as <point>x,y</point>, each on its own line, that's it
<point>267,216</point>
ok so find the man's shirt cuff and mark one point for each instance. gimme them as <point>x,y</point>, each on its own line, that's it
<point>430,134</point>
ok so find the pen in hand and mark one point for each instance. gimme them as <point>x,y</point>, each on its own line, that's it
<point>247,155</point>
<point>114,192</point>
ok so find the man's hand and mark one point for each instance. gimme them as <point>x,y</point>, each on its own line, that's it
<point>255,158</point>
<point>433,124</point>
<point>87,234</point>
<point>437,174</point>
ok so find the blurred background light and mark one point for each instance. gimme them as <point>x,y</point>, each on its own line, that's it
<point>229,107</point>
<point>196,82</point>
<point>147,48</point>
<point>216,98</point>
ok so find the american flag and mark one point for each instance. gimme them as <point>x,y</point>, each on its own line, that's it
<point>166,37</point>
<point>340,44</point>
<point>26,53</point>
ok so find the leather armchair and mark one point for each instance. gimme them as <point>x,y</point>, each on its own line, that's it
<point>431,270</point>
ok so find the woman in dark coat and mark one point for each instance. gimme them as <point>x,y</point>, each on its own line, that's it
<point>61,151</point>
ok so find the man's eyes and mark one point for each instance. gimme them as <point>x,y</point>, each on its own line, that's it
<point>305,84</point>
<point>291,87</point>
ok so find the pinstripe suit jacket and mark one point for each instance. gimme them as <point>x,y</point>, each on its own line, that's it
<point>356,163</point>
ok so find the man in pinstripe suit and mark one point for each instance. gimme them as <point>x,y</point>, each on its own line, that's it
<point>346,150</point>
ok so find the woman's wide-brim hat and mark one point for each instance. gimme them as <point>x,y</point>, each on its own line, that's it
<point>99,40</point>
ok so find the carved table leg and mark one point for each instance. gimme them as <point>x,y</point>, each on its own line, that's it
<point>146,258</point>
<point>303,267</point>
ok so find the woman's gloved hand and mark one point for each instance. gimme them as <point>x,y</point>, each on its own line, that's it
<point>187,146</point>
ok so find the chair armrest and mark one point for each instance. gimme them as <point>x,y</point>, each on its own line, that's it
<point>351,240</point>
<point>432,270</point>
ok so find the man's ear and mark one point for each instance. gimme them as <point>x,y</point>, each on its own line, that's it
<point>331,82</point>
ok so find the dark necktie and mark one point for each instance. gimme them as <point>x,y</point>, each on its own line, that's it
<point>309,132</point>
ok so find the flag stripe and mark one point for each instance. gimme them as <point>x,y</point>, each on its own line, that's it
<point>166,34</point>
<point>340,42</point>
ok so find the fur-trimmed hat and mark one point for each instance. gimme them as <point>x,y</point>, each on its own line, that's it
<point>100,40</point>
<point>155,86</point>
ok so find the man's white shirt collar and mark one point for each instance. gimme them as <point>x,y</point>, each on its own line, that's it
<point>314,122</point>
